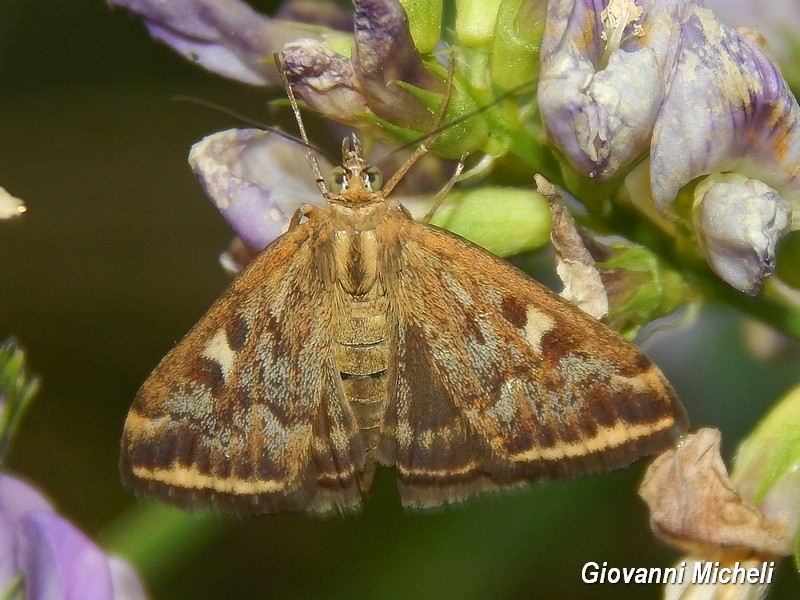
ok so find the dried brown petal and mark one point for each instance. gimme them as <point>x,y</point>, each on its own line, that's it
<point>694,505</point>
<point>575,265</point>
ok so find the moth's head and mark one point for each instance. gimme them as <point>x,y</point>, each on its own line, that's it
<point>355,181</point>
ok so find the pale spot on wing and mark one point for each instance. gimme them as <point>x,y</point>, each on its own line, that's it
<point>219,350</point>
<point>426,439</point>
<point>537,324</point>
<point>649,379</point>
<point>139,425</point>
<point>505,409</point>
<point>404,434</point>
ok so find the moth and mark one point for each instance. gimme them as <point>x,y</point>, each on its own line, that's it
<point>363,337</point>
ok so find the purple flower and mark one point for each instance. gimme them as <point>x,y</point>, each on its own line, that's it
<point>739,223</point>
<point>324,79</point>
<point>384,84</point>
<point>728,110</point>
<point>603,76</point>
<point>621,77</point>
<point>383,54</point>
<point>256,179</point>
<point>51,556</point>
<point>224,36</point>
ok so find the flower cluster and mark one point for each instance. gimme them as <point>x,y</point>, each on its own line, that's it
<point>49,558</point>
<point>649,103</point>
<point>42,555</point>
<point>666,88</point>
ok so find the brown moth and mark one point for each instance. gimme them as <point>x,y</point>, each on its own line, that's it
<point>362,336</point>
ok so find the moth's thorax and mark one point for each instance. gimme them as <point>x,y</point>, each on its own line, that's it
<point>358,243</point>
<point>346,214</point>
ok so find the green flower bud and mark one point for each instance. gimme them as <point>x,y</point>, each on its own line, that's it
<point>517,39</point>
<point>425,22</point>
<point>640,287</point>
<point>505,221</point>
<point>475,21</point>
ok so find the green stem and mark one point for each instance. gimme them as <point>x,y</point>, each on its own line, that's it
<point>764,307</point>
<point>154,537</point>
<point>14,589</point>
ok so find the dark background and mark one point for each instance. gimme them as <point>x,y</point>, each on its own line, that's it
<point>117,258</point>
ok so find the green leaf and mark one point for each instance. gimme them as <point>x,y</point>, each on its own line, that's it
<point>772,450</point>
<point>17,389</point>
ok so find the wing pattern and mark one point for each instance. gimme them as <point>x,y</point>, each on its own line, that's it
<point>499,381</point>
<point>247,412</point>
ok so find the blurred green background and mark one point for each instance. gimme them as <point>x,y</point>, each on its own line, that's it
<point>117,258</point>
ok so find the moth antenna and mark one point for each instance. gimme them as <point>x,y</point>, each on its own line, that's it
<point>312,158</point>
<point>422,148</point>
<point>244,119</point>
<point>444,127</point>
<point>221,109</point>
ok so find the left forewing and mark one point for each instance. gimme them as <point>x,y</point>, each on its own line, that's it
<point>498,380</point>
<point>247,413</point>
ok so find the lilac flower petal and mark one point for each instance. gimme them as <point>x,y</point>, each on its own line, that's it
<point>17,498</point>
<point>599,97</point>
<point>727,109</point>
<point>125,581</point>
<point>224,36</point>
<point>323,79</point>
<point>58,561</point>
<point>256,179</point>
<point>777,20</point>
<point>739,222</point>
<point>384,53</point>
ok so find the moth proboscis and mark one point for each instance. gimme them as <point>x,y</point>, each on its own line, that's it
<point>362,336</point>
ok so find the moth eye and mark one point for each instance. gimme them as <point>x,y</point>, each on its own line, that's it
<point>373,178</point>
<point>336,180</point>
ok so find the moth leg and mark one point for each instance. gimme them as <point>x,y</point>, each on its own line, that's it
<point>442,193</point>
<point>305,210</point>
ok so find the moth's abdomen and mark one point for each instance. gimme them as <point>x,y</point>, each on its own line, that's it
<point>361,338</point>
<point>362,358</point>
